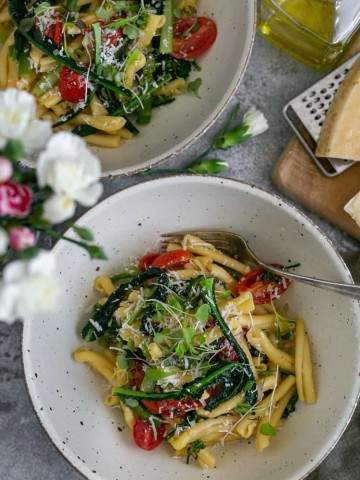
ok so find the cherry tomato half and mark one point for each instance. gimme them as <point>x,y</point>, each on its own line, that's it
<point>55,32</point>
<point>263,289</point>
<point>193,37</point>
<point>147,260</point>
<point>174,259</point>
<point>171,408</point>
<point>144,435</point>
<point>72,85</point>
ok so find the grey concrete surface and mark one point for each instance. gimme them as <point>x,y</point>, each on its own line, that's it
<point>26,452</point>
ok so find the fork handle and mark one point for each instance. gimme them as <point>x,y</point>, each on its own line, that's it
<point>343,288</point>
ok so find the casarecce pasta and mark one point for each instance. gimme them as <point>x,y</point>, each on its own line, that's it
<point>99,67</point>
<point>202,359</point>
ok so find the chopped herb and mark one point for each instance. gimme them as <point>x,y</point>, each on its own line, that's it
<point>202,313</point>
<point>194,87</point>
<point>243,408</point>
<point>268,429</point>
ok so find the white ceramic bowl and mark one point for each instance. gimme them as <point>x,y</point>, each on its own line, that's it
<point>176,126</point>
<point>68,397</point>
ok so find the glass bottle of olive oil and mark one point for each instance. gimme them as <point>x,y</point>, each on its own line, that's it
<point>316,32</point>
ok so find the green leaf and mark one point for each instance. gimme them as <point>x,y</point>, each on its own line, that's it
<point>97,36</point>
<point>243,408</point>
<point>268,429</point>
<point>194,87</point>
<point>29,253</point>
<point>131,31</point>
<point>42,8</point>
<point>224,295</point>
<point>96,252</point>
<point>249,385</point>
<point>83,233</point>
<point>202,313</point>
<point>14,150</point>
<point>188,334</point>
<point>208,167</point>
<point>121,361</point>
<point>129,273</point>
<point>180,349</point>
<point>152,375</point>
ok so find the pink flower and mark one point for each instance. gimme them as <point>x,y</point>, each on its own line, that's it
<point>6,169</point>
<point>21,238</point>
<point>15,200</point>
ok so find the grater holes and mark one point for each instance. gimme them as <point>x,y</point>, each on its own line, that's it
<point>317,99</point>
<point>309,105</point>
<point>323,90</point>
<point>312,93</point>
<point>312,111</point>
<point>327,97</point>
<point>331,85</point>
<point>317,117</point>
<point>321,105</point>
<point>346,71</point>
<point>337,76</point>
<point>321,124</point>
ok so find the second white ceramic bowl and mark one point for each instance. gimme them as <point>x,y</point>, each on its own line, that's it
<point>68,397</point>
<point>174,127</point>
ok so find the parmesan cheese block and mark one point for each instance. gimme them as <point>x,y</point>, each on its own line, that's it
<point>353,208</point>
<point>340,135</point>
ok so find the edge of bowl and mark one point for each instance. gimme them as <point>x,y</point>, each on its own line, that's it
<point>270,196</point>
<point>207,124</point>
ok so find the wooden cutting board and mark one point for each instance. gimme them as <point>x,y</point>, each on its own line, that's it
<point>296,175</point>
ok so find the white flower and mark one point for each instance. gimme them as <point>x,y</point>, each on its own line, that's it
<point>28,287</point>
<point>72,171</point>
<point>58,208</point>
<point>353,208</point>
<point>18,121</point>
<point>4,241</point>
<point>255,121</point>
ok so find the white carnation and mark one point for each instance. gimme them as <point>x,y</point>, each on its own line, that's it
<point>256,122</point>
<point>69,167</point>
<point>58,208</point>
<point>28,287</point>
<point>18,121</point>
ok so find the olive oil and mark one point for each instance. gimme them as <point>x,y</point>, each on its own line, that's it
<point>315,32</point>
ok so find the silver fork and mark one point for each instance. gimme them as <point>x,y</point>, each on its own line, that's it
<point>234,245</point>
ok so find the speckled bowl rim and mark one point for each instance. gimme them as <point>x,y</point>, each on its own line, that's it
<point>273,198</point>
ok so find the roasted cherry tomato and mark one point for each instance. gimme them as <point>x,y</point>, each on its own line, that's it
<point>144,435</point>
<point>263,285</point>
<point>147,260</point>
<point>54,30</point>
<point>174,259</point>
<point>72,85</point>
<point>171,408</point>
<point>137,374</point>
<point>193,37</point>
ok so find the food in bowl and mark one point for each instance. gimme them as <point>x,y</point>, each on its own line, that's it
<point>197,350</point>
<point>91,65</point>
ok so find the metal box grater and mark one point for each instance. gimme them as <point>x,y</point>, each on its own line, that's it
<point>306,114</point>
